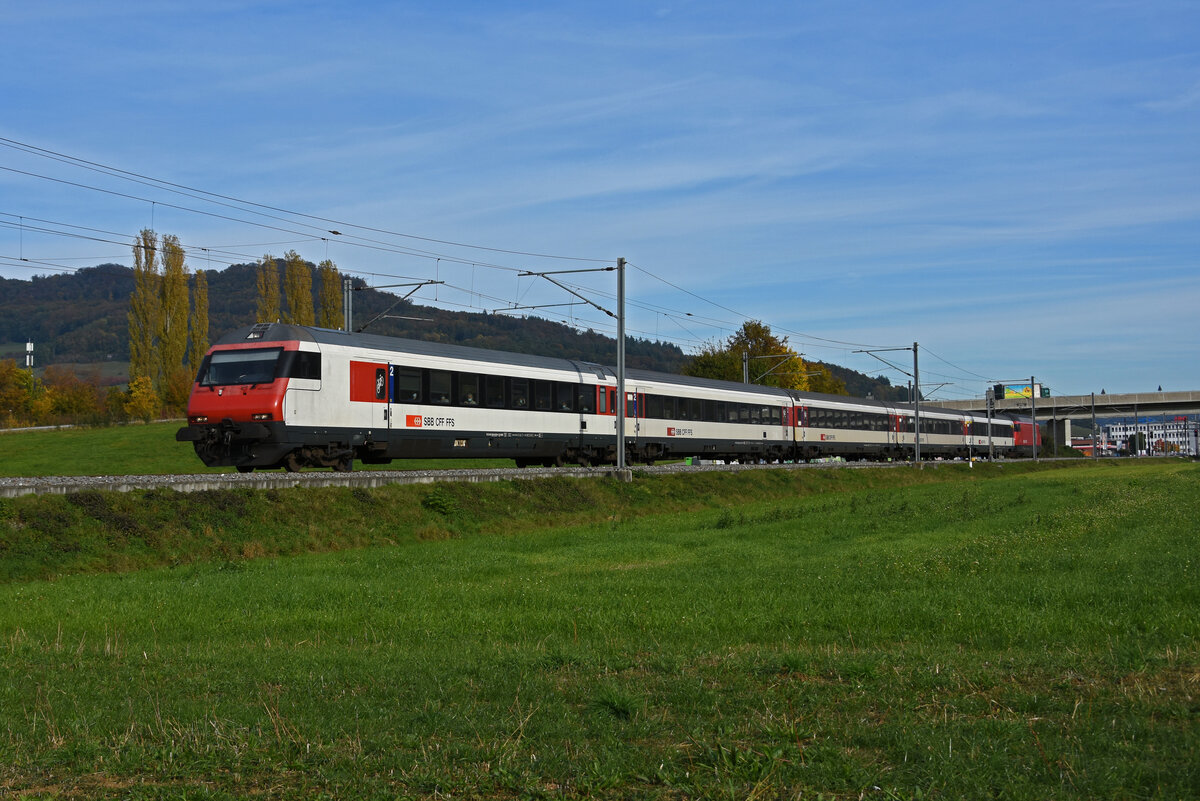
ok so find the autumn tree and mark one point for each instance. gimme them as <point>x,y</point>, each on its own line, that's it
<point>822,379</point>
<point>16,394</point>
<point>73,398</point>
<point>198,332</point>
<point>174,381</point>
<point>141,401</point>
<point>330,313</point>
<point>771,362</point>
<point>145,307</point>
<point>297,287</point>
<point>268,290</point>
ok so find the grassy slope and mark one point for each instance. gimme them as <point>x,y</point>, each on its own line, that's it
<point>944,633</point>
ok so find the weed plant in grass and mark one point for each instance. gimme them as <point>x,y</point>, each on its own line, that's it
<point>883,634</point>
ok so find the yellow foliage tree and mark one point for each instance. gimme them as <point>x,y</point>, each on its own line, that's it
<point>268,290</point>
<point>145,307</point>
<point>297,287</point>
<point>173,336</point>
<point>752,348</point>
<point>331,314</point>
<point>198,332</point>
<point>141,401</point>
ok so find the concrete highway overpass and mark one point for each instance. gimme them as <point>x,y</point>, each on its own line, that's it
<point>1077,407</point>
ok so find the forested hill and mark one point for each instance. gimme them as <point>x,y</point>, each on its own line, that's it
<point>81,318</point>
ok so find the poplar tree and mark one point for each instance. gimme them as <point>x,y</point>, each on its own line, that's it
<point>297,287</point>
<point>145,308</point>
<point>173,324</point>
<point>331,313</point>
<point>198,333</point>
<point>268,290</point>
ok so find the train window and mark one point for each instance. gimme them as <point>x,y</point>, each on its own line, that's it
<point>439,387</point>
<point>602,406</point>
<point>493,391</point>
<point>518,393</point>
<point>695,409</point>
<point>468,389</point>
<point>407,387</point>
<point>587,399</point>
<point>564,397</point>
<point>776,415</point>
<point>300,364</point>
<point>224,367</point>
<point>654,407</point>
<point>681,409</point>
<point>541,396</point>
<point>722,413</point>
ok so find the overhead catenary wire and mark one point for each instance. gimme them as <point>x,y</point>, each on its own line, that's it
<point>228,201</point>
<point>224,199</point>
<point>315,228</point>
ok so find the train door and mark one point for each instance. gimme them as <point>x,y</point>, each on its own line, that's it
<point>391,394</point>
<point>369,387</point>
<point>606,402</point>
<point>633,414</point>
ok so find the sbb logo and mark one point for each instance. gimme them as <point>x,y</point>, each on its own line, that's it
<point>413,420</point>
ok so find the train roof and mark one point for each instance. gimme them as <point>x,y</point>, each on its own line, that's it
<point>285,332</point>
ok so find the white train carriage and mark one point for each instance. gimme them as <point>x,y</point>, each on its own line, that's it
<point>289,396</point>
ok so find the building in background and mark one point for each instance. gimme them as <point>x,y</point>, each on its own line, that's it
<point>1160,435</point>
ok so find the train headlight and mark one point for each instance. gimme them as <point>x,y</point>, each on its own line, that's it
<point>197,419</point>
<point>261,416</point>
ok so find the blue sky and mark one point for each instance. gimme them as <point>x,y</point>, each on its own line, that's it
<point>1015,186</point>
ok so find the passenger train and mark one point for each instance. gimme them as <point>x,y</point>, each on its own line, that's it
<point>287,396</point>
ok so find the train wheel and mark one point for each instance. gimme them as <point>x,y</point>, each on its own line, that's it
<point>291,462</point>
<point>344,465</point>
<point>245,468</point>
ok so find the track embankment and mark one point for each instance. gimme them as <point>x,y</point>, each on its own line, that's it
<point>264,480</point>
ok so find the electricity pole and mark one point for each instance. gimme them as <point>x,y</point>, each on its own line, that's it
<point>916,395</point>
<point>620,315</point>
<point>621,364</point>
<point>1033,411</point>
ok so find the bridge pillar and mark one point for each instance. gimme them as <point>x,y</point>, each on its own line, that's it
<point>1059,434</point>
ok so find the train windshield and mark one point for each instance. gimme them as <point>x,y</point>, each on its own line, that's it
<point>224,367</point>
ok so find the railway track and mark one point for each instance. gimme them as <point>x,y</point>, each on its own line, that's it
<point>261,480</point>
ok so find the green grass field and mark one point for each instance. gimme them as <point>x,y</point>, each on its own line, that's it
<point>1018,632</point>
<point>138,450</point>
